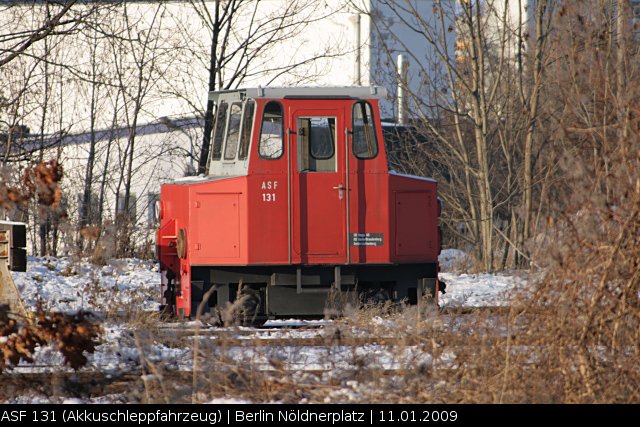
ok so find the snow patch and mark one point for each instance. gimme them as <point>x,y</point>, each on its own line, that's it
<point>65,285</point>
<point>450,259</point>
<point>476,290</point>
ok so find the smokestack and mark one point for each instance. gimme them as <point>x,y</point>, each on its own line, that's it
<point>403,66</point>
<point>357,24</point>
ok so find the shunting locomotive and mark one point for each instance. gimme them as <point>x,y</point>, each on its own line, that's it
<point>297,209</point>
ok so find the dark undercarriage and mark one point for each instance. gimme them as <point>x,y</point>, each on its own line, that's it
<point>258,293</point>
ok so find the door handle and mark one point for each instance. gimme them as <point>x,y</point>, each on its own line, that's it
<point>340,189</point>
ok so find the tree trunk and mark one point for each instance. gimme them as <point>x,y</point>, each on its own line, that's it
<point>479,107</point>
<point>88,178</point>
<point>533,116</point>
<point>41,216</point>
<point>208,115</point>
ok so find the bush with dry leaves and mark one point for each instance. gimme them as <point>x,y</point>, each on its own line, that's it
<point>72,334</point>
<point>40,181</point>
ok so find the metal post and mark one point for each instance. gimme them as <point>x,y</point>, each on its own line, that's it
<point>348,190</point>
<point>289,192</point>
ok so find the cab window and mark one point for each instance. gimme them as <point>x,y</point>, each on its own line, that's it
<point>247,125</point>
<point>272,131</point>
<point>365,144</point>
<point>316,138</point>
<point>218,131</point>
<point>233,131</point>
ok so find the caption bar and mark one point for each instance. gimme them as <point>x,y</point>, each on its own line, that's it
<point>329,415</point>
<point>228,416</point>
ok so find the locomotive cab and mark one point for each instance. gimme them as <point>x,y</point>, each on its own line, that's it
<point>297,213</point>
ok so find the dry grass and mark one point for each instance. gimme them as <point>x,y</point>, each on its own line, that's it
<point>573,339</point>
<point>547,348</point>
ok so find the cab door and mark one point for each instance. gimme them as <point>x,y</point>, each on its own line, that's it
<point>318,186</point>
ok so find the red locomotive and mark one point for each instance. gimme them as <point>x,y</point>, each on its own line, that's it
<point>297,206</point>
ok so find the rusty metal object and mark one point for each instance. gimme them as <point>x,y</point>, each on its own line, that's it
<point>181,245</point>
<point>11,256</point>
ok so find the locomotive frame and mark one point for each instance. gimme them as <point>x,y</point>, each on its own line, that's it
<point>297,211</point>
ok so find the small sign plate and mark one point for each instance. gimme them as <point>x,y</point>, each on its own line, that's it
<point>366,239</point>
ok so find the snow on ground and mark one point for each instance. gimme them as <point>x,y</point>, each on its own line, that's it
<point>474,290</point>
<point>63,284</point>
<point>450,259</point>
<point>132,285</point>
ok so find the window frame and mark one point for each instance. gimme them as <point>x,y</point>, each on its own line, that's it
<point>376,145</point>
<point>223,156</point>
<point>132,213</point>
<point>333,133</point>
<point>92,210</point>
<point>215,128</point>
<point>303,146</point>
<point>264,109</point>
<point>153,199</point>
<point>248,102</point>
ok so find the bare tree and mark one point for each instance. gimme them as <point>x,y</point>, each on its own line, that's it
<point>136,51</point>
<point>16,42</point>
<point>461,96</point>
<point>84,70</point>
<point>36,35</point>
<point>245,38</point>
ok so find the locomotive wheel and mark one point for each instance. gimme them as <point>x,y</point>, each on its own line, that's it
<point>250,305</point>
<point>375,296</point>
<point>245,309</point>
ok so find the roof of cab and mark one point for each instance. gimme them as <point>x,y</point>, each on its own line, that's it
<point>343,92</point>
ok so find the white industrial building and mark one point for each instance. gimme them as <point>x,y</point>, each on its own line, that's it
<point>168,137</point>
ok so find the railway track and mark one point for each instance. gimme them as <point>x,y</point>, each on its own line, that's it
<point>327,333</point>
<point>447,311</point>
<point>467,311</point>
<point>132,387</point>
<point>293,340</point>
<point>65,383</point>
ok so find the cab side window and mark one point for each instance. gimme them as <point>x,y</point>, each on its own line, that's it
<point>218,131</point>
<point>247,124</point>
<point>365,143</point>
<point>233,131</point>
<point>272,131</point>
